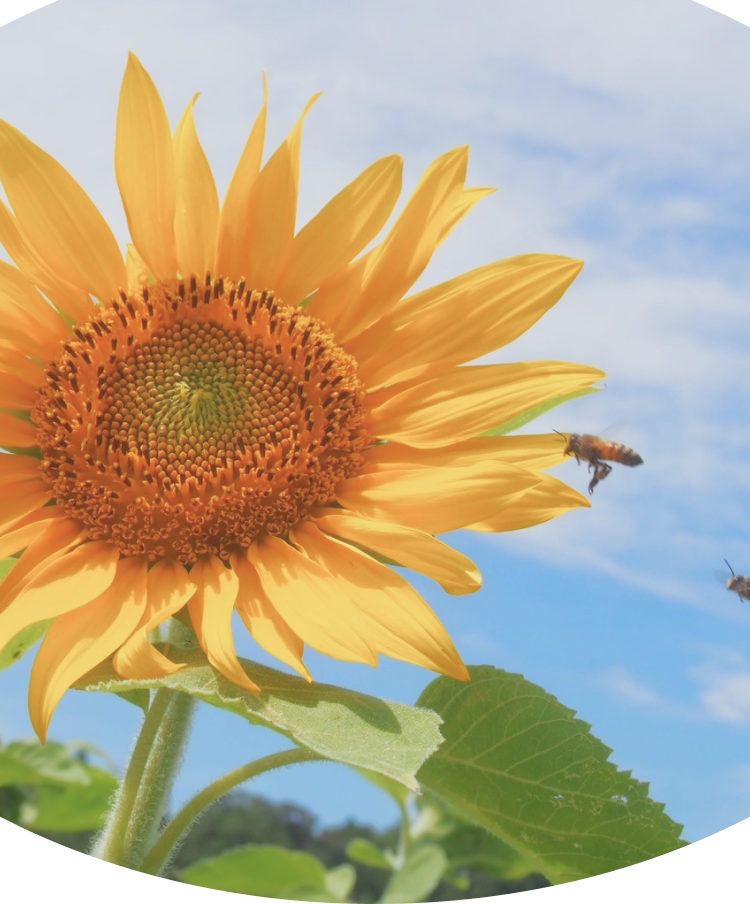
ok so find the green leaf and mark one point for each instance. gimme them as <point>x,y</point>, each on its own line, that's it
<point>352,728</point>
<point>468,846</point>
<point>519,763</point>
<point>30,763</point>
<point>532,413</point>
<point>265,870</point>
<point>25,639</point>
<point>5,567</point>
<point>394,789</point>
<point>360,850</point>
<point>22,643</point>
<point>418,877</point>
<point>474,848</point>
<point>340,881</point>
<point>71,808</point>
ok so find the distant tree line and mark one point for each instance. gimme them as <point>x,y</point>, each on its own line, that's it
<point>241,819</point>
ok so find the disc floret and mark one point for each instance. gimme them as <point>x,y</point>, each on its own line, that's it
<point>188,419</point>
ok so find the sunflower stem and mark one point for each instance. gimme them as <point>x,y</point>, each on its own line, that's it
<point>158,858</point>
<point>141,799</point>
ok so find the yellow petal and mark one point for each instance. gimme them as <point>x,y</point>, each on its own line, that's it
<point>169,587</point>
<point>18,499</point>
<point>468,401</point>
<point>409,245</point>
<point>341,230</point>
<point>29,322</point>
<point>18,467</point>
<point>138,272</point>
<point>21,487</point>
<point>497,304</point>
<point>25,531</point>
<point>332,299</point>
<point>57,538</point>
<point>197,211</point>
<point>31,372</point>
<point>262,620</point>
<point>80,640</point>
<point>466,202</point>
<point>536,452</point>
<point>411,548</point>
<point>211,610</point>
<point>435,500</point>
<point>16,433</point>
<point>145,168</point>
<point>20,291</point>
<point>313,606</point>
<point>66,583</point>
<point>272,211</point>
<point>24,339</point>
<point>69,298</point>
<point>399,621</point>
<point>234,227</point>
<point>60,220</point>
<point>548,499</point>
<point>16,392</point>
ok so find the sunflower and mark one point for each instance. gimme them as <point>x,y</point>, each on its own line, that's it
<point>239,415</point>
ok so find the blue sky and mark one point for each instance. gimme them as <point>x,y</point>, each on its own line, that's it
<point>619,136</point>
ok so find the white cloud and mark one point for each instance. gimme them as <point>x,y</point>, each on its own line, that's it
<point>628,688</point>
<point>726,697</point>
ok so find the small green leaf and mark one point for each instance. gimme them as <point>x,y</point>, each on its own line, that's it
<point>5,567</point>
<point>30,763</point>
<point>360,850</point>
<point>462,883</point>
<point>22,643</point>
<point>468,846</point>
<point>343,725</point>
<point>264,870</point>
<point>340,881</point>
<point>71,808</point>
<point>474,848</point>
<point>418,877</point>
<point>519,763</point>
<point>532,413</point>
<point>394,789</point>
<point>25,639</point>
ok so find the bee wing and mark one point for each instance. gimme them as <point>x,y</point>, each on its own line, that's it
<point>617,432</point>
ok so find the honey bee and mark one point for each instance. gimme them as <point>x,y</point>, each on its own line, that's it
<point>738,584</point>
<point>597,452</point>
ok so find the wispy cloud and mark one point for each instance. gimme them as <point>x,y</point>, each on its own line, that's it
<point>726,698</point>
<point>629,689</point>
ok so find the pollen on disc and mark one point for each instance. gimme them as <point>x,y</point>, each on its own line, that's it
<point>192,418</point>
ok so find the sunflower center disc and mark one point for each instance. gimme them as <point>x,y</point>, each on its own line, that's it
<point>188,420</point>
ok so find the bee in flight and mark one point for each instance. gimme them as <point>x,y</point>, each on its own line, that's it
<point>597,452</point>
<point>738,584</point>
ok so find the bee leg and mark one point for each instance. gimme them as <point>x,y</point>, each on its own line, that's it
<point>600,472</point>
